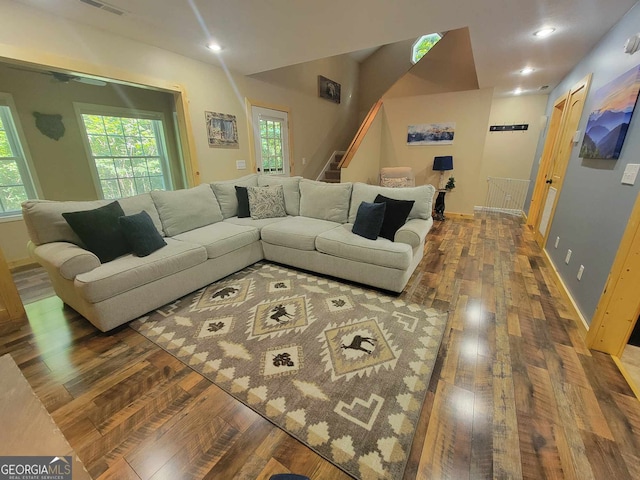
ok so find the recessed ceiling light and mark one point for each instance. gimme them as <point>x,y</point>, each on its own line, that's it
<point>527,70</point>
<point>545,32</point>
<point>517,91</point>
<point>214,47</point>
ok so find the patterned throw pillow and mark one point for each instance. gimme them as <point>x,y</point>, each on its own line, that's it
<point>266,202</point>
<point>395,182</point>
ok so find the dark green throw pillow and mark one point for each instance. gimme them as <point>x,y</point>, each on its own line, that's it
<point>141,233</point>
<point>369,220</point>
<point>243,202</point>
<point>395,215</point>
<point>100,231</point>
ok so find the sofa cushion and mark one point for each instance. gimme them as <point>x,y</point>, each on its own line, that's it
<point>266,202</point>
<point>138,203</point>
<point>46,224</point>
<point>141,234</point>
<point>369,220</point>
<point>422,195</point>
<point>341,242</point>
<point>128,272</point>
<point>325,201</point>
<point>184,210</point>
<point>221,238</point>
<point>395,215</point>
<point>296,232</point>
<point>250,222</point>
<point>226,193</point>
<point>243,202</point>
<point>100,230</point>
<point>291,186</point>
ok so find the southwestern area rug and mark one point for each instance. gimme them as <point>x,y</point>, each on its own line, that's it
<point>343,369</point>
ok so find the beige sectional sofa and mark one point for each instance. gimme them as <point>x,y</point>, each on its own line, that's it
<point>206,241</point>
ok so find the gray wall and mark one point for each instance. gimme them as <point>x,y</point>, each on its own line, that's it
<point>594,207</point>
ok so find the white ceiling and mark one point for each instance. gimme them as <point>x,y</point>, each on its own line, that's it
<point>260,35</point>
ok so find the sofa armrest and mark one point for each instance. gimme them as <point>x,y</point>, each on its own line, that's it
<point>67,259</point>
<point>413,232</point>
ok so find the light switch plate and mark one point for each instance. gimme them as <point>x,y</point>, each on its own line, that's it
<point>576,136</point>
<point>241,165</point>
<point>630,173</point>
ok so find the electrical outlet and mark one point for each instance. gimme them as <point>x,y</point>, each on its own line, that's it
<point>557,242</point>
<point>304,160</point>
<point>580,272</point>
<point>568,257</point>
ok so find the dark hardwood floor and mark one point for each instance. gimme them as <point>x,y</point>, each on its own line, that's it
<point>515,393</point>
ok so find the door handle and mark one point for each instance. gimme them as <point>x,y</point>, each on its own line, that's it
<point>550,181</point>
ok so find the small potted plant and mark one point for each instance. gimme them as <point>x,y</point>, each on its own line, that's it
<point>451,184</point>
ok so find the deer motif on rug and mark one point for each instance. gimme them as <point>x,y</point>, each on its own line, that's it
<point>356,343</point>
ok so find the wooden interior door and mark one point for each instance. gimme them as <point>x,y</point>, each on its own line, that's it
<point>619,306</point>
<point>541,187</point>
<point>560,155</point>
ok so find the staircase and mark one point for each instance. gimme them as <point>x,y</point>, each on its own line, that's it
<point>332,174</point>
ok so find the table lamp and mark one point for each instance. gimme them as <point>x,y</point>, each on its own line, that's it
<point>443,164</point>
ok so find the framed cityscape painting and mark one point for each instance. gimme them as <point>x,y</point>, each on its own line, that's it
<point>609,120</point>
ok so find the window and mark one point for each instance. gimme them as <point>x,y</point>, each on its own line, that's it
<point>16,183</point>
<point>127,149</point>
<point>423,45</point>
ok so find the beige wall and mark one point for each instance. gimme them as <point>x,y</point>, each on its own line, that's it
<point>470,112</point>
<point>476,153</point>
<point>320,127</point>
<point>365,164</point>
<point>381,70</point>
<point>61,165</point>
<point>30,35</point>
<point>511,154</point>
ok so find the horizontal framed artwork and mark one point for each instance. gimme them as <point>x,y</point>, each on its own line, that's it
<point>431,134</point>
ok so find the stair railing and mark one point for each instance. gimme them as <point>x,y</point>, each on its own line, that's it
<point>360,134</point>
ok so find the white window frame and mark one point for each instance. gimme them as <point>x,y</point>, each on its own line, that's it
<point>106,111</point>
<point>18,143</point>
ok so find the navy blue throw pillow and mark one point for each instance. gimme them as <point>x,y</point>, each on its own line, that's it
<point>243,202</point>
<point>100,231</point>
<point>369,220</point>
<point>141,233</point>
<point>395,215</point>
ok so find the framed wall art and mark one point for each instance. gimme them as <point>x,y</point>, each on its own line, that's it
<point>222,130</point>
<point>431,134</point>
<point>609,120</point>
<point>328,89</point>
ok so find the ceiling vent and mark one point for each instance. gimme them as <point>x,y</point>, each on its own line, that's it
<point>543,87</point>
<point>104,6</point>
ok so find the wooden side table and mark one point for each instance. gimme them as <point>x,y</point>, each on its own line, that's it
<point>26,426</point>
<point>12,314</point>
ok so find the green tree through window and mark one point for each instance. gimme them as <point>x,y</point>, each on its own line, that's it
<point>128,153</point>
<point>423,45</point>
<point>16,185</point>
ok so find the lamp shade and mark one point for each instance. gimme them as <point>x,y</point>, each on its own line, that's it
<point>443,163</point>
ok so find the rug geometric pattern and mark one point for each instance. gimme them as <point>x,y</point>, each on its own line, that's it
<point>342,368</point>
